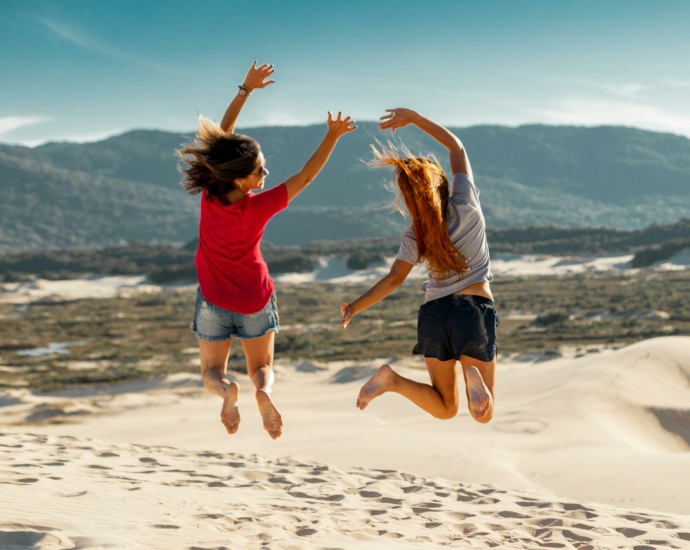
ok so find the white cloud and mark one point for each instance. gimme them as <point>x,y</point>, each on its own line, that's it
<point>595,112</point>
<point>72,138</point>
<point>81,39</point>
<point>629,90</point>
<point>10,123</point>
<point>677,83</point>
<point>625,89</point>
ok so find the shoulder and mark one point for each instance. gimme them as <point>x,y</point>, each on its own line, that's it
<point>274,196</point>
<point>409,232</point>
<point>464,188</point>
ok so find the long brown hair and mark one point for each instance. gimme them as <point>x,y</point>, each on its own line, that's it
<point>421,184</point>
<point>215,160</point>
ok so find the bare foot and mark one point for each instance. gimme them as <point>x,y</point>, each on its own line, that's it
<point>230,413</point>
<point>377,385</point>
<point>273,421</point>
<point>481,402</point>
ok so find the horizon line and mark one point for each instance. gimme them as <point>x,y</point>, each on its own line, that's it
<point>32,144</point>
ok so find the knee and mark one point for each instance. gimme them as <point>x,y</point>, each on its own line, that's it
<point>448,412</point>
<point>211,374</point>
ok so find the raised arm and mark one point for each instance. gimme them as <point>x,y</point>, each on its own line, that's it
<point>255,79</point>
<point>399,118</point>
<point>336,129</point>
<point>386,286</point>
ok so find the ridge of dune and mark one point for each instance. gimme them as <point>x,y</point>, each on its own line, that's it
<point>66,492</point>
<point>610,427</point>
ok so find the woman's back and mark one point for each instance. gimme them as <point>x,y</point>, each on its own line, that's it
<point>467,230</point>
<point>232,273</point>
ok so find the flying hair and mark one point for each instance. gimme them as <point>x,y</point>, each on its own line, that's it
<point>215,159</point>
<point>421,185</point>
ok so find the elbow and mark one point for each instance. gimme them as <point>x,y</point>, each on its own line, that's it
<point>307,177</point>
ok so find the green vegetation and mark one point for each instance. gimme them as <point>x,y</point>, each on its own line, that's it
<point>148,335</point>
<point>658,253</point>
<point>164,263</point>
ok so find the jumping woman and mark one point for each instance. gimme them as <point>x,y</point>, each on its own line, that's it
<point>457,321</point>
<point>236,297</point>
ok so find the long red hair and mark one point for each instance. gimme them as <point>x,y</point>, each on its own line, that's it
<point>421,184</point>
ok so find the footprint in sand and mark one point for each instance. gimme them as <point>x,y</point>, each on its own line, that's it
<point>512,515</point>
<point>314,480</point>
<point>68,494</point>
<point>525,426</point>
<point>575,537</point>
<point>630,533</point>
<point>305,532</point>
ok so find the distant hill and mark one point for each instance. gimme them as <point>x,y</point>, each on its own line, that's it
<point>127,186</point>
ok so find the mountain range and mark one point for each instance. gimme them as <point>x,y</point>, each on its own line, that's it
<point>127,186</point>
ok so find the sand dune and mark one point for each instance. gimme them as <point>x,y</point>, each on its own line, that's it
<point>129,466</point>
<point>64,492</point>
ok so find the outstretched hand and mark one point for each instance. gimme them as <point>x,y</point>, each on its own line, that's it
<point>339,126</point>
<point>347,315</point>
<point>397,118</point>
<point>256,76</point>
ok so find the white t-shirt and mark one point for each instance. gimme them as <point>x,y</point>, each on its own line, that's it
<point>467,230</point>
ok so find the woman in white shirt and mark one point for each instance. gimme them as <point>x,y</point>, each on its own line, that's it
<point>457,322</point>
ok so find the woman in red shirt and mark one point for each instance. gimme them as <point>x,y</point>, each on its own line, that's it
<point>236,297</point>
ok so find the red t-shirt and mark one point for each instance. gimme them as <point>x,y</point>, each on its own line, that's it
<point>231,271</point>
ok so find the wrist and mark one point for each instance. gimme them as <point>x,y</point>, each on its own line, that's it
<point>245,90</point>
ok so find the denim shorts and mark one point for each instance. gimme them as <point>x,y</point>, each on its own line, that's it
<point>455,325</point>
<point>214,323</point>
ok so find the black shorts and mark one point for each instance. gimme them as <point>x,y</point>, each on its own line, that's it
<point>455,325</point>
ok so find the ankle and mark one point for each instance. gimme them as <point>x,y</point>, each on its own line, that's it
<point>228,386</point>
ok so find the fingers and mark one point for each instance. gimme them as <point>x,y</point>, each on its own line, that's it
<point>339,125</point>
<point>254,64</point>
<point>347,315</point>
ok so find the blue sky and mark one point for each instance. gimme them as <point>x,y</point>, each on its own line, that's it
<point>82,70</point>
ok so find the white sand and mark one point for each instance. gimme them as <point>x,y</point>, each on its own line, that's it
<point>76,289</point>
<point>589,429</point>
<point>333,270</point>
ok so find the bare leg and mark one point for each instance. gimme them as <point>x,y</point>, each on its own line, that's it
<point>440,399</point>
<point>259,355</point>
<point>214,361</point>
<point>479,384</point>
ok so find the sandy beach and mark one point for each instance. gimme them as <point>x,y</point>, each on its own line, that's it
<point>578,454</point>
